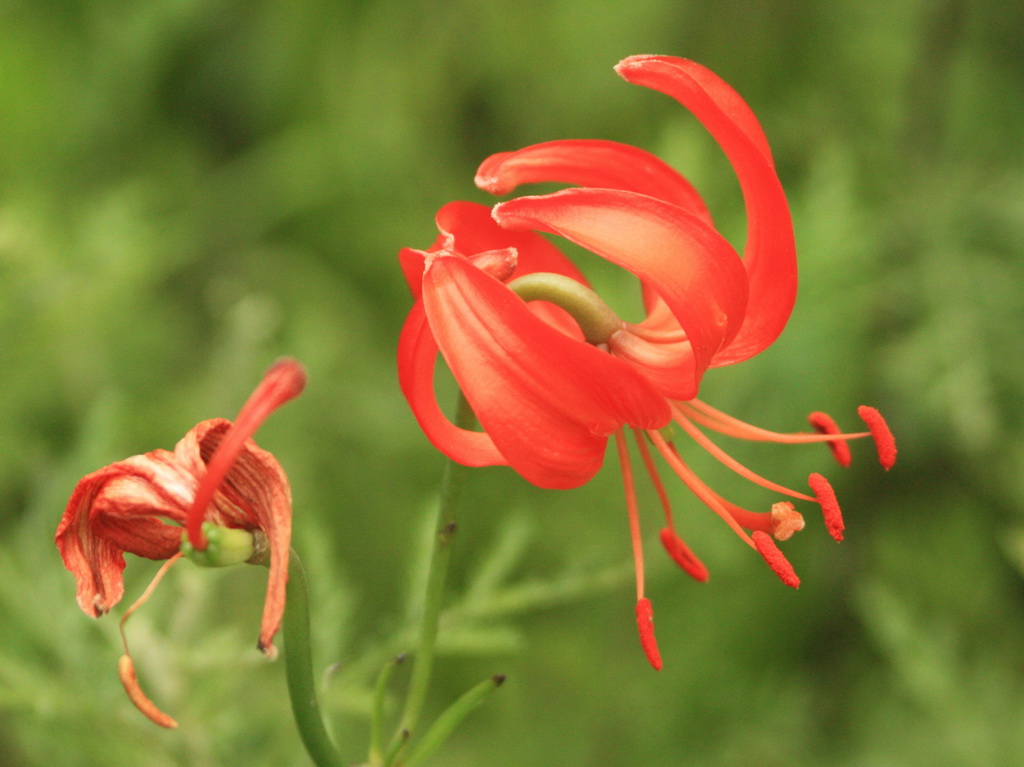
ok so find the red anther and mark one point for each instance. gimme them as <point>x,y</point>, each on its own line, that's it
<point>775,558</point>
<point>682,555</point>
<point>885,443</point>
<point>645,623</point>
<point>823,424</point>
<point>829,505</point>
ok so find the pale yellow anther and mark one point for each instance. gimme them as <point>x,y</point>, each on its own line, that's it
<point>786,520</point>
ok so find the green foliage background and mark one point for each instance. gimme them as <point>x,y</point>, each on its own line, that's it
<point>191,188</point>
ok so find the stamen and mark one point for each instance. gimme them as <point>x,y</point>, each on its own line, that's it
<point>652,472</point>
<point>823,424</point>
<point>632,510</point>
<point>829,505</point>
<point>708,496</point>
<point>885,443</point>
<point>776,559</point>
<point>126,670</point>
<point>724,423</point>
<point>683,556</point>
<point>125,665</point>
<point>645,623</point>
<point>727,460</point>
<point>282,382</point>
<point>786,520</point>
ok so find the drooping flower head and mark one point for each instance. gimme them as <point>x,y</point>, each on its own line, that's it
<point>147,504</point>
<point>549,369</point>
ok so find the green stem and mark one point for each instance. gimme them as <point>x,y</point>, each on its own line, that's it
<point>454,480</point>
<point>298,657</point>
<point>595,318</point>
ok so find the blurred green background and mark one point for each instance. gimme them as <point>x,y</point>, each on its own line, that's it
<point>191,188</point>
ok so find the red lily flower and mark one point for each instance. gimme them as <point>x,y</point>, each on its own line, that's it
<point>143,504</point>
<point>551,373</point>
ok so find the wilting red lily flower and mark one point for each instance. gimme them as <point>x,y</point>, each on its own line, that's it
<point>143,505</point>
<point>551,372</point>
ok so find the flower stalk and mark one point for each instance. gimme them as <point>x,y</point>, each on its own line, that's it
<point>298,658</point>
<point>452,484</point>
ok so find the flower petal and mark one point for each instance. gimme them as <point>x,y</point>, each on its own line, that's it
<point>687,262</point>
<point>467,227</point>
<point>591,163</point>
<point>117,509</point>
<point>549,402</point>
<point>770,253</point>
<point>417,355</point>
<point>255,495</point>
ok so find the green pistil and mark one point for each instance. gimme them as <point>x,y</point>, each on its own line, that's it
<point>227,546</point>
<point>595,318</point>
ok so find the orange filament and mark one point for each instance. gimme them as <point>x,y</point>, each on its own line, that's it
<point>125,665</point>
<point>682,555</point>
<point>724,423</point>
<point>673,544</point>
<point>885,443</point>
<point>632,510</point>
<point>823,424</point>
<point>126,670</point>
<point>282,382</point>
<point>775,558</point>
<point>727,460</point>
<point>645,624</point>
<point>829,505</point>
<point>709,497</point>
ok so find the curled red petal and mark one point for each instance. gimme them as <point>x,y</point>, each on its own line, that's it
<point>691,266</point>
<point>468,229</point>
<point>775,558</point>
<point>120,508</point>
<point>770,253</point>
<point>549,402</point>
<point>593,163</point>
<point>473,230</point>
<point>417,357</point>
<point>254,495</point>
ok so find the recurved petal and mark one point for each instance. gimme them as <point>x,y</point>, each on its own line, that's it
<point>770,253</point>
<point>592,163</point>
<point>255,495</point>
<point>549,402</point>
<point>417,357</point>
<point>116,509</point>
<point>687,262</point>
<point>473,230</point>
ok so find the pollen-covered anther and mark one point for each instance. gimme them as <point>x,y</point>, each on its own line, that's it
<point>786,520</point>
<point>683,556</point>
<point>775,558</point>
<point>885,443</point>
<point>829,505</point>
<point>645,624</point>
<point>823,424</point>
